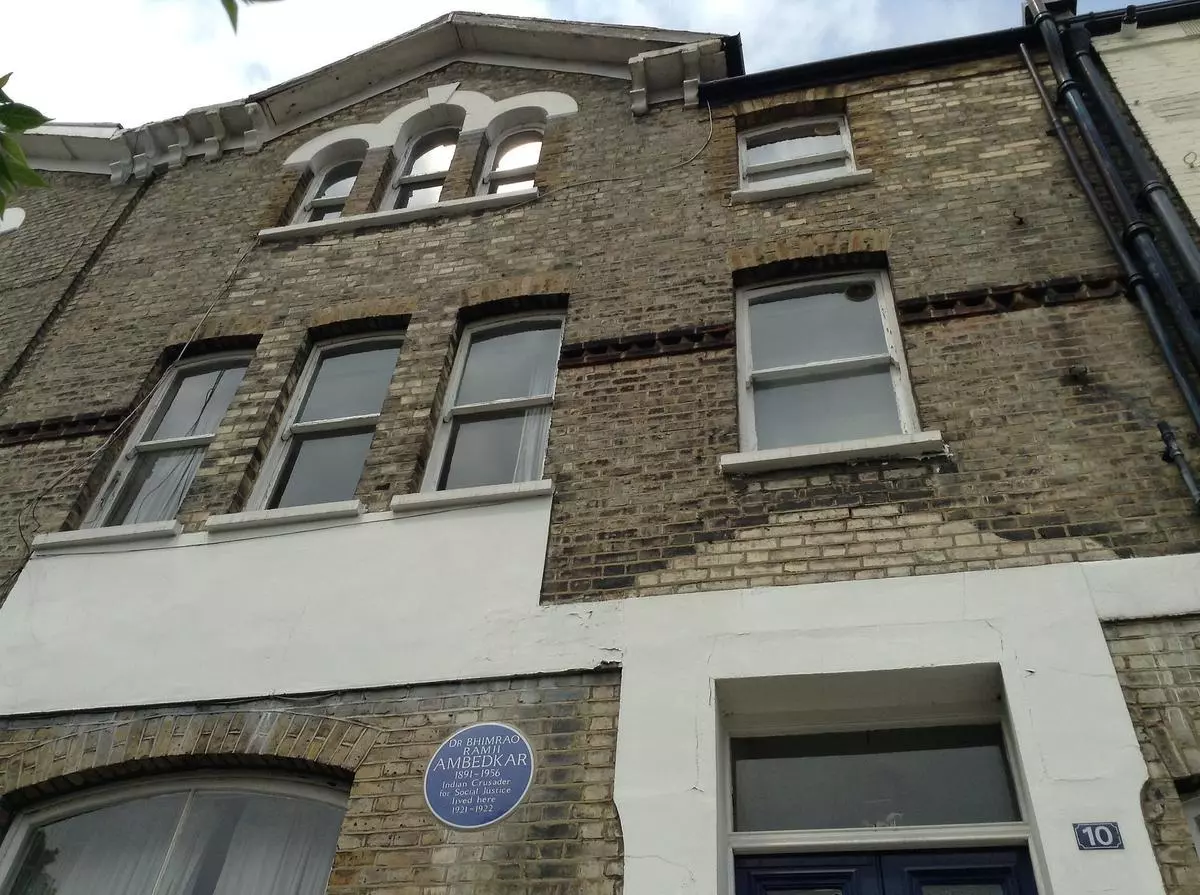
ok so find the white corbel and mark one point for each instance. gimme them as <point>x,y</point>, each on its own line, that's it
<point>143,164</point>
<point>177,153</point>
<point>120,172</point>
<point>637,93</point>
<point>256,134</point>
<point>691,76</point>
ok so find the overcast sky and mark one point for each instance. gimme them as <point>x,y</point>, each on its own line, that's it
<point>133,61</point>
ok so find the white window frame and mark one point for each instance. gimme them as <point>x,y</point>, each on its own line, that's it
<point>893,356</point>
<point>984,835</point>
<point>135,445</point>
<point>793,171</point>
<point>272,467</point>
<point>525,172</point>
<point>247,783</point>
<point>450,412</point>
<point>402,180</point>
<point>311,203</point>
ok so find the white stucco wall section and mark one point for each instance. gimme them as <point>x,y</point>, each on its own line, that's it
<point>453,594</point>
<point>1156,71</point>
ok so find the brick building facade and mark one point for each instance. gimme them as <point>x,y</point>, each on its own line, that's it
<point>947,572</point>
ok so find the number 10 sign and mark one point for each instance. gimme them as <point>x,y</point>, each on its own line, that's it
<point>1098,836</point>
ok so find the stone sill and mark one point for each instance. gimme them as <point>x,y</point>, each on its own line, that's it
<point>403,504</point>
<point>356,222</point>
<point>109,534</point>
<point>800,187</point>
<point>916,444</point>
<point>317,512</point>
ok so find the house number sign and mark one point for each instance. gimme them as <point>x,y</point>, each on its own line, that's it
<point>1098,836</point>
<point>478,775</point>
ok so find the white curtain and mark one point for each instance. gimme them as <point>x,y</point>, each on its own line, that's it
<point>536,427</point>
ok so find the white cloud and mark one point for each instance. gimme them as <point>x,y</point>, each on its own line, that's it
<point>134,61</point>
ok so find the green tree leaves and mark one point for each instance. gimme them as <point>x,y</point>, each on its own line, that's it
<point>14,167</point>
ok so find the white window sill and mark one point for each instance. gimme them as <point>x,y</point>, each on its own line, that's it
<point>470,497</point>
<point>917,444</point>
<point>398,216</point>
<point>784,188</point>
<point>111,534</point>
<point>317,512</point>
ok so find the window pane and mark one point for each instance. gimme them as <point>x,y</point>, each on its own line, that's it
<point>815,411</point>
<point>325,214</point>
<point>433,153</point>
<point>518,151</point>
<point>339,181</point>
<point>419,196</point>
<point>800,142</point>
<point>156,486</point>
<point>512,186</point>
<point>116,849</point>
<point>496,449</point>
<point>233,843</point>
<point>196,403</point>
<point>964,889</point>
<point>946,775</point>
<point>508,364</point>
<point>809,328</point>
<point>349,384</point>
<point>322,468</point>
<point>799,171</point>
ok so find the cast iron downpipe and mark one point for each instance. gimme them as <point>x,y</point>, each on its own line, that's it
<point>1172,454</point>
<point>1137,282</point>
<point>1151,189</point>
<point>1135,233</point>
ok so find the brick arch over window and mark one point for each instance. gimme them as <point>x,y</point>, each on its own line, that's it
<point>117,750</point>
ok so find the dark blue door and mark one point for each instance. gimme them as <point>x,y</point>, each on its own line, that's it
<point>979,872</point>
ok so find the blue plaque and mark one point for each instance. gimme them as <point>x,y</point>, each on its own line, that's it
<point>478,775</point>
<point>1098,836</point>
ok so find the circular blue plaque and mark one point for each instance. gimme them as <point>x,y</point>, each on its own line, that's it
<point>478,775</point>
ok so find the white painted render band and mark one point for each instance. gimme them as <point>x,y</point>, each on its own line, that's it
<point>453,594</point>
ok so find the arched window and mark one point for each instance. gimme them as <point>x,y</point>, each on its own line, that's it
<point>512,161</point>
<point>424,170</point>
<point>328,199</point>
<point>226,834</point>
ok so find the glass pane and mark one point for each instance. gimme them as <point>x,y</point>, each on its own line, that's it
<point>510,364</point>
<point>512,186</point>
<point>116,849</point>
<point>156,486</point>
<point>799,171</point>
<point>325,214</point>
<point>824,324</point>
<point>986,889</point>
<point>196,403</point>
<point>433,153</point>
<point>861,405</point>
<point>518,151</point>
<point>322,468</point>
<point>349,384</point>
<point>339,181</point>
<point>496,449</point>
<point>800,142</point>
<point>232,844</point>
<point>885,778</point>
<point>419,196</point>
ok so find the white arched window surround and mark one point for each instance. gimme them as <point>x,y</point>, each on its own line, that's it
<point>186,788</point>
<point>519,400</point>
<point>335,169</point>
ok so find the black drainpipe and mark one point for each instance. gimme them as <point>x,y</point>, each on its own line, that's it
<point>1135,233</point>
<point>1172,454</point>
<point>1151,190</point>
<point>1137,282</point>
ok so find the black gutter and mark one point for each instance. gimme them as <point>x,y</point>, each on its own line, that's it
<point>1137,282</point>
<point>1135,233</point>
<point>1152,191</point>
<point>928,55</point>
<point>735,62</point>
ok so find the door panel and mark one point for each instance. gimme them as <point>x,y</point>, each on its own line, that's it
<point>985,872</point>
<point>805,875</point>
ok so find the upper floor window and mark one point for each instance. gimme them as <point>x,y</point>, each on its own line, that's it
<point>1191,812</point>
<point>821,361</point>
<point>496,417</point>
<point>330,192</point>
<point>423,173</point>
<point>324,439</point>
<point>166,447</point>
<point>198,835</point>
<point>796,152</point>
<point>512,161</point>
